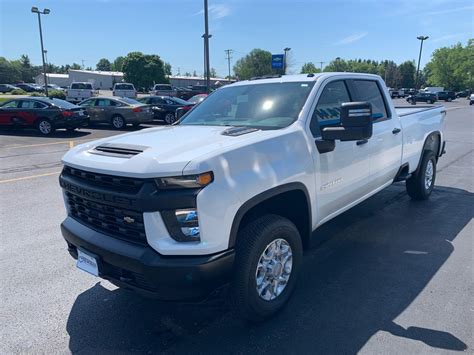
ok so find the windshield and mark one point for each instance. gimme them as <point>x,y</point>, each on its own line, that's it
<point>265,106</point>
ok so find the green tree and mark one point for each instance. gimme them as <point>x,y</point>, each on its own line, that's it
<point>167,68</point>
<point>308,68</point>
<point>194,73</point>
<point>213,73</point>
<point>143,70</point>
<point>407,74</point>
<point>257,63</point>
<point>75,66</point>
<point>104,65</point>
<point>118,64</point>
<point>9,73</point>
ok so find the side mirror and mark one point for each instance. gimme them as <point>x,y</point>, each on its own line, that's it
<point>356,123</point>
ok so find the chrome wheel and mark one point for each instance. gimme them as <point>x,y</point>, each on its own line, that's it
<point>429,174</point>
<point>274,269</point>
<point>45,127</point>
<point>118,122</point>
<point>169,118</point>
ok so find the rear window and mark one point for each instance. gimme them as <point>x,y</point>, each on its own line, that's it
<point>163,87</point>
<point>368,90</point>
<point>81,86</point>
<point>62,103</point>
<point>130,101</point>
<point>124,87</point>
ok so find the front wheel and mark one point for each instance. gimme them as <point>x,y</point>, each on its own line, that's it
<point>420,185</point>
<point>118,122</point>
<point>449,99</point>
<point>429,102</point>
<point>45,127</point>
<point>269,252</point>
<point>169,118</point>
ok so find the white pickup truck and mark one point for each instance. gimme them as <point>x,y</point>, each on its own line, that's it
<point>233,191</point>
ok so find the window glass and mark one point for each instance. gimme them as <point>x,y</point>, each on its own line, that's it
<point>81,86</point>
<point>124,87</point>
<point>87,103</point>
<point>367,90</point>
<point>157,101</point>
<point>103,103</point>
<point>130,101</point>
<point>31,104</point>
<point>328,109</point>
<point>11,104</point>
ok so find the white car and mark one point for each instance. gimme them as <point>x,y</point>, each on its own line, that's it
<point>233,192</point>
<point>471,99</point>
<point>125,90</point>
<point>78,92</point>
<point>163,90</point>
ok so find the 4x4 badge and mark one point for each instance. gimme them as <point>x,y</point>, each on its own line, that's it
<point>128,219</point>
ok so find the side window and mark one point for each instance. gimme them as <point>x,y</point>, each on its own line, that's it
<point>169,102</point>
<point>31,104</point>
<point>88,103</point>
<point>368,90</point>
<point>11,104</point>
<point>327,110</point>
<point>103,103</point>
<point>158,101</point>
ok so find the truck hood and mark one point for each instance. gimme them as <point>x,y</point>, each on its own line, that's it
<point>165,151</point>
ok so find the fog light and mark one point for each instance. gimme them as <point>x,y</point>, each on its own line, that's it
<point>191,232</point>
<point>182,224</point>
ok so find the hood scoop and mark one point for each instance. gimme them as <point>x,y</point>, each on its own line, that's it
<point>238,131</point>
<point>118,150</point>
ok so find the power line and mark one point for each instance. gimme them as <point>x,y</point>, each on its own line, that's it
<point>228,53</point>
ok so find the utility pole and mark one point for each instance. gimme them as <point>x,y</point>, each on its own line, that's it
<point>44,12</point>
<point>286,50</point>
<point>179,71</point>
<point>206,47</point>
<point>228,53</point>
<point>321,63</point>
<point>82,63</point>
<point>421,38</point>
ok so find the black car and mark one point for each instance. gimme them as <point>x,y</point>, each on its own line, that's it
<point>4,88</point>
<point>427,97</point>
<point>164,107</point>
<point>446,95</point>
<point>42,113</point>
<point>27,87</point>
<point>464,93</point>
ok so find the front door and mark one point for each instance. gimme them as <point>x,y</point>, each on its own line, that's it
<point>341,175</point>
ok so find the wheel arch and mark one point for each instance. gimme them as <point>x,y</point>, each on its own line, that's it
<point>290,200</point>
<point>433,144</point>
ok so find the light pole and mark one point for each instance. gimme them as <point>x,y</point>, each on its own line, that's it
<point>287,49</point>
<point>322,66</point>
<point>44,12</point>
<point>206,36</point>
<point>421,38</point>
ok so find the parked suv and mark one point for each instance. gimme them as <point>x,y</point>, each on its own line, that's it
<point>427,97</point>
<point>446,95</point>
<point>124,90</point>
<point>78,92</point>
<point>163,90</point>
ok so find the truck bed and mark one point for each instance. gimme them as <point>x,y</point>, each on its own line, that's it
<point>408,110</point>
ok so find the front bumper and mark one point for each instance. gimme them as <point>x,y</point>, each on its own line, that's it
<point>142,269</point>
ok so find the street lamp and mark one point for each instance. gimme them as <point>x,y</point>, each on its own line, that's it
<point>421,38</point>
<point>286,50</point>
<point>206,36</point>
<point>44,12</point>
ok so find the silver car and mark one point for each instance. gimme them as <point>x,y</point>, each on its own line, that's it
<point>117,111</point>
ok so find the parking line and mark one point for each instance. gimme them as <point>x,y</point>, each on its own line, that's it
<point>71,144</point>
<point>29,177</point>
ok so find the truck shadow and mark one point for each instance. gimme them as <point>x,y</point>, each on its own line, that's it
<point>366,267</point>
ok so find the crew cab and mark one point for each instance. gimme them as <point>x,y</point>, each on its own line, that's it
<point>233,192</point>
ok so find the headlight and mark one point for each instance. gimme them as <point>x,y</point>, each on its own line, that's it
<point>187,181</point>
<point>182,224</point>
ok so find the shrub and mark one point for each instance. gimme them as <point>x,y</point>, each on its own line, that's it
<point>58,94</point>
<point>36,94</point>
<point>18,92</point>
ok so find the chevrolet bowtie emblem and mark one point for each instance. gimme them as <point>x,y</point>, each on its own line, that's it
<point>128,219</point>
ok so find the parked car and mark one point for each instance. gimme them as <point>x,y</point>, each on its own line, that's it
<point>164,107</point>
<point>471,99</point>
<point>427,97</point>
<point>78,92</point>
<point>117,111</point>
<point>53,87</point>
<point>4,88</point>
<point>446,95</point>
<point>38,87</point>
<point>394,93</point>
<point>197,98</point>
<point>26,87</point>
<point>43,113</point>
<point>464,93</point>
<point>234,191</point>
<point>163,90</point>
<point>433,89</point>
<point>124,90</point>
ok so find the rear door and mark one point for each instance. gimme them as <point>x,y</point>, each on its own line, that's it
<point>342,174</point>
<point>385,145</point>
<point>89,106</point>
<point>30,110</point>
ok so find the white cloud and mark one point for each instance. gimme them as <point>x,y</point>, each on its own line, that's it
<point>352,38</point>
<point>216,12</point>
<point>446,37</point>
<point>449,10</point>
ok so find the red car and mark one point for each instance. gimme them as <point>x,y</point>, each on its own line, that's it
<point>43,113</point>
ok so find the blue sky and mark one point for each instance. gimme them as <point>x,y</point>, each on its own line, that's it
<point>316,31</point>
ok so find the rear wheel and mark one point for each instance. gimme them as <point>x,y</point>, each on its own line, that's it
<point>45,127</point>
<point>269,252</point>
<point>169,118</point>
<point>118,122</point>
<point>429,101</point>
<point>449,99</point>
<point>420,185</point>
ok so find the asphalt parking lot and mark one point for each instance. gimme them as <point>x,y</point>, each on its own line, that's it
<point>388,276</point>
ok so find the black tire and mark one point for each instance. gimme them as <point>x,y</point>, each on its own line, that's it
<point>449,100</point>
<point>169,118</point>
<point>45,127</point>
<point>429,102</point>
<point>417,185</point>
<point>118,122</point>
<point>136,125</point>
<point>252,242</point>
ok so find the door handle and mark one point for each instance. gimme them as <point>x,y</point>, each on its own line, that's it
<point>361,142</point>
<point>396,130</point>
